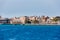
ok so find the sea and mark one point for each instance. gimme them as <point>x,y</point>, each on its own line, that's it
<point>29,32</point>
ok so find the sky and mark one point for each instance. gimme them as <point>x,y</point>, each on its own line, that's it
<point>12,8</point>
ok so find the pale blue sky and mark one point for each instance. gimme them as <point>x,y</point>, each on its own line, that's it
<point>10,8</point>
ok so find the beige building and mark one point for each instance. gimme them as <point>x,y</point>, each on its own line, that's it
<point>33,19</point>
<point>44,19</point>
<point>15,20</point>
<point>19,20</point>
<point>23,19</point>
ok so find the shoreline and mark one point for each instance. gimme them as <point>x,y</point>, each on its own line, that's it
<point>29,24</point>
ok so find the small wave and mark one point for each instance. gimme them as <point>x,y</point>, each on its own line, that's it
<point>4,29</point>
<point>12,39</point>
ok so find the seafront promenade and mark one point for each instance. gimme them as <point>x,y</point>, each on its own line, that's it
<point>31,20</point>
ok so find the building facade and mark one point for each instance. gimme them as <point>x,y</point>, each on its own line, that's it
<point>5,21</point>
<point>24,19</point>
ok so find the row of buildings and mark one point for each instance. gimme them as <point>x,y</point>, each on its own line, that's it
<point>30,20</point>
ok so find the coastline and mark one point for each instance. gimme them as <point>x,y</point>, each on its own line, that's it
<point>29,24</point>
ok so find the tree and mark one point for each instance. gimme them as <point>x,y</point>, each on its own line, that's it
<point>35,21</point>
<point>55,20</point>
<point>29,22</point>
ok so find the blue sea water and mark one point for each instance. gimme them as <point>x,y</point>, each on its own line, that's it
<point>29,32</point>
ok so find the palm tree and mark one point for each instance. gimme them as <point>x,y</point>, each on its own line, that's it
<point>55,20</point>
